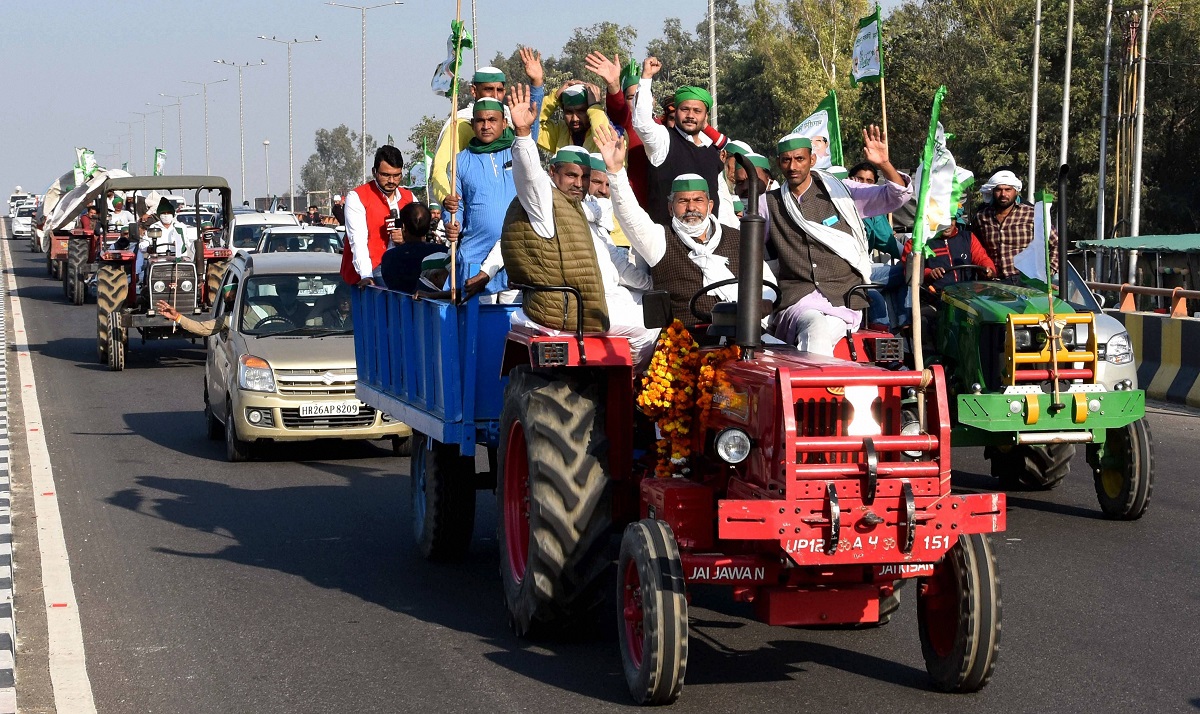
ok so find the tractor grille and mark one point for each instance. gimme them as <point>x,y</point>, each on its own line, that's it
<point>293,420</point>
<point>828,416</point>
<point>174,274</point>
<point>316,382</point>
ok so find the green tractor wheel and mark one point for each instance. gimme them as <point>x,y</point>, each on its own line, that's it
<point>1037,466</point>
<point>1124,472</point>
<point>111,288</point>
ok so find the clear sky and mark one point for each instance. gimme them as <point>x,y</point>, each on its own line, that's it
<point>75,68</point>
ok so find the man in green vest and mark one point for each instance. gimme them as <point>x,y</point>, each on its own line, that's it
<point>547,240</point>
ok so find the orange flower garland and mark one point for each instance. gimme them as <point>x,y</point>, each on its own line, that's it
<point>678,379</point>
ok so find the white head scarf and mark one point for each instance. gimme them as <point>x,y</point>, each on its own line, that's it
<point>1000,178</point>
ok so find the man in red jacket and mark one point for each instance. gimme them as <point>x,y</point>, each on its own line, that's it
<point>369,226</point>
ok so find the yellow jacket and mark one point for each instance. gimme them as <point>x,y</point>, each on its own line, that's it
<point>439,180</point>
<point>555,134</point>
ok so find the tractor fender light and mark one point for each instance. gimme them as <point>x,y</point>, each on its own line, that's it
<point>733,446</point>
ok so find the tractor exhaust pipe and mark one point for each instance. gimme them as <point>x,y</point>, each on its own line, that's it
<point>750,256</point>
<point>1063,243</point>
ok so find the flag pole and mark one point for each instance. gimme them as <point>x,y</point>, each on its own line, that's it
<point>454,156</point>
<point>918,250</point>
<point>882,90</point>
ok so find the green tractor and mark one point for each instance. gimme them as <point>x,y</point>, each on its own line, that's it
<point>1032,376</point>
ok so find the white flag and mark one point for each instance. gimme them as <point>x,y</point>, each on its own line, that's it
<point>866,60</point>
<point>947,185</point>
<point>1032,262</point>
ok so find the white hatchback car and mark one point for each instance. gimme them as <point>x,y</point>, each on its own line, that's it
<point>245,229</point>
<point>22,222</point>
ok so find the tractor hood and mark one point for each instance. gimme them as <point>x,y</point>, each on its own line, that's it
<point>994,302</point>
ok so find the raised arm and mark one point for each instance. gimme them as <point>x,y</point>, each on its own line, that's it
<point>654,136</point>
<point>647,238</point>
<point>534,188</point>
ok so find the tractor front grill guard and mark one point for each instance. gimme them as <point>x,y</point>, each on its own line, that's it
<point>1034,365</point>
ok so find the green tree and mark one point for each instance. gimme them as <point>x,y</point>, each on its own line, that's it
<point>337,162</point>
<point>428,129</point>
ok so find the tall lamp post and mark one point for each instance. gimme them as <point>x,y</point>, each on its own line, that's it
<point>162,122</point>
<point>179,113</point>
<point>267,165</point>
<point>363,11</point>
<point>204,93</point>
<point>145,146</point>
<point>129,128</point>
<point>241,115</point>
<point>291,155</point>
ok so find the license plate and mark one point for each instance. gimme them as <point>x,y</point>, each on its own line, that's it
<point>319,409</point>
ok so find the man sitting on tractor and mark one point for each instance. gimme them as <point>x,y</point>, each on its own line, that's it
<point>817,232</point>
<point>1005,225</point>
<point>690,252</point>
<point>119,218</point>
<point>166,236</point>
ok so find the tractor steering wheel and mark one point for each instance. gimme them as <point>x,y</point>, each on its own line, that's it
<point>980,271</point>
<point>707,316</point>
<point>272,320</point>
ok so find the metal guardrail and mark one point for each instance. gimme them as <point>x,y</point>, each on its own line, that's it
<point>1128,293</point>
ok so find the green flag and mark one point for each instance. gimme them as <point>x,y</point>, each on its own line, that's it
<point>446,73</point>
<point>948,184</point>
<point>866,63</point>
<point>823,129</point>
<point>391,141</point>
<point>160,160</point>
<point>920,229</point>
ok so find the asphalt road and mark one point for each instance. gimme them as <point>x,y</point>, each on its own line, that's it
<point>290,584</point>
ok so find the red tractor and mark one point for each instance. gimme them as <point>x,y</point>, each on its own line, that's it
<point>806,485</point>
<point>126,296</point>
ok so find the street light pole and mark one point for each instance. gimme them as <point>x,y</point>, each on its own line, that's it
<point>267,165</point>
<point>129,128</point>
<point>145,146</point>
<point>204,92</point>
<point>363,11</point>
<point>179,113</point>
<point>241,115</point>
<point>291,152</point>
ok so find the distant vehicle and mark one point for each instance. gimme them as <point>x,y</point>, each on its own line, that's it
<point>284,368</point>
<point>18,196</point>
<point>300,239</point>
<point>198,219</point>
<point>245,229</point>
<point>22,222</point>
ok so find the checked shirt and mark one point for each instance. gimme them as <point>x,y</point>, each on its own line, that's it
<point>1003,240</point>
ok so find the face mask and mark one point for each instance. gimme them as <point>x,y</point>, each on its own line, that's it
<point>692,231</point>
<point>166,219</point>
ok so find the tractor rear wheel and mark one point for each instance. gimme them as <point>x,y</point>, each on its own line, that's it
<point>1124,476</point>
<point>77,257</point>
<point>1037,466</point>
<point>214,272</point>
<point>958,615</point>
<point>442,488</point>
<point>111,288</point>
<point>118,341</point>
<point>554,496</point>
<point>235,448</point>
<point>49,265</point>
<point>652,622</point>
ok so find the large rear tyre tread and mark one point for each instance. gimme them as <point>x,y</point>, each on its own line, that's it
<point>1041,467</point>
<point>1124,491</point>
<point>568,554</point>
<point>111,288</point>
<point>118,342</point>
<point>77,257</point>
<point>442,484</point>
<point>652,618</point>
<point>959,616</point>
<point>214,273</point>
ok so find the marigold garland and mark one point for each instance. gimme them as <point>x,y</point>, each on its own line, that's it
<point>680,378</point>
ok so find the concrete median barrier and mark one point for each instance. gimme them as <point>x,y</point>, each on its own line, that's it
<point>1167,350</point>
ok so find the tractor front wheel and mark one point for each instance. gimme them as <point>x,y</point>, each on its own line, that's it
<point>1124,471</point>
<point>958,614</point>
<point>1037,466</point>
<point>442,488</point>
<point>652,622</point>
<point>111,287</point>
<point>554,496</point>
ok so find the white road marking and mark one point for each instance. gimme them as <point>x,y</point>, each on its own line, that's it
<point>68,668</point>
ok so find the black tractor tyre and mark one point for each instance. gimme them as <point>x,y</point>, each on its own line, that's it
<point>1038,466</point>
<point>214,273</point>
<point>118,342</point>
<point>111,288</point>
<point>554,499</point>
<point>236,449</point>
<point>1125,478</point>
<point>49,265</point>
<point>442,491</point>
<point>77,257</point>
<point>212,425</point>
<point>652,617</point>
<point>958,616</point>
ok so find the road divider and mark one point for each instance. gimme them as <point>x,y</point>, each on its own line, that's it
<point>1167,350</point>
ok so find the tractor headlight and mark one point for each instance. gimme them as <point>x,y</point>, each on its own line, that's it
<point>159,286</point>
<point>186,286</point>
<point>733,446</point>
<point>254,374</point>
<point>1119,349</point>
<point>1022,339</point>
<point>1068,336</point>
